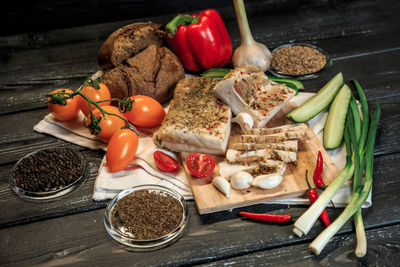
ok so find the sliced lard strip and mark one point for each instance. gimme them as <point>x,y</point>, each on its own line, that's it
<point>288,145</point>
<point>289,131</point>
<point>227,169</point>
<point>236,156</point>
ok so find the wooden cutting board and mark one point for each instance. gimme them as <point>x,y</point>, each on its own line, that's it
<point>209,199</point>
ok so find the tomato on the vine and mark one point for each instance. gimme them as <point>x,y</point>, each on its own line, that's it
<point>146,112</point>
<point>94,94</point>
<point>165,162</point>
<point>200,165</point>
<point>64,113</point>
<point>110,124</point>
<point>121,149</point>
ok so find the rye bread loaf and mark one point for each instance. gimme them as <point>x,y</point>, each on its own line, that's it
<point>128,41</point>
<point>152,72</point>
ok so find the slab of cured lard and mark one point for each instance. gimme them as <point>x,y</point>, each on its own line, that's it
<point>248,90</point>
<point>197,121</point>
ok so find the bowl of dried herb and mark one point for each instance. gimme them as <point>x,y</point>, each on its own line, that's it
<point>299,60</point>
<point>146,217</point>
<point>48,173</point>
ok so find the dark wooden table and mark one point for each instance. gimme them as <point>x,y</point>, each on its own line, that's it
<point>363,39</point>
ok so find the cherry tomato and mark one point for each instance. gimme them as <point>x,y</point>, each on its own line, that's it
<point>110,124</point>
<point>64,113</point>
<point>94,94</point>
<point>121,149</point>
<point>146,112</point>
<point>165,162</point>
<point>200,165</point>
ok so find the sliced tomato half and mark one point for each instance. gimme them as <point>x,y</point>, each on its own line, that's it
<point>165,162</point>
<point>200,165</point>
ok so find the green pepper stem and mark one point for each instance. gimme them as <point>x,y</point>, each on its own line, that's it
<point>181,19</point>
<point>245,33</point>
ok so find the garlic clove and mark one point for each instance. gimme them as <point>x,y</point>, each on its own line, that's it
<point>222,185</point>
<point>241,180</point>
<point>244,120</point>
<point>268,181</point>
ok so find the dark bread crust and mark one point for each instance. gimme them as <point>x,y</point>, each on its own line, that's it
<point>128,41</point>
<point>152,72</point>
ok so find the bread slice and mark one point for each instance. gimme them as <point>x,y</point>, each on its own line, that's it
<point>196,121</point>
<point>247,89</point>
<point>128,41</point>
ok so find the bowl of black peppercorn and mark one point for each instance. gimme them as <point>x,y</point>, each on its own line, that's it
<point>48,173</point>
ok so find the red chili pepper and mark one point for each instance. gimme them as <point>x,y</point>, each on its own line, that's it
<point>318,181</point>
<point>275,218</point>
<point>313,196</point>
<point>200,41</point>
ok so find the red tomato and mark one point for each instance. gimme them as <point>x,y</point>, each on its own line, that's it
<point>121,149</point>
<point>110,124</point>
<point>94,94</point>
<point>64,113</point>
<point>165,162</point>
<point>200,165</point>
<point>146,112</point>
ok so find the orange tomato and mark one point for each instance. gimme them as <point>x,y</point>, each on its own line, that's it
<point>94,94</point>
<point>121,149</point>
<point>64,113</point>
<point>146,112</point>
<point>110,124</point>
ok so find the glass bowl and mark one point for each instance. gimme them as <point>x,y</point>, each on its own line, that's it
<point>53,192</point>
<point>120,233</point>
<point>328,64</point>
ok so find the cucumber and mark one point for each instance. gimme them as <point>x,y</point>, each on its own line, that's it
<point>215,73</point>
<point>299,85</point>
<point>318,102</point>
<point>334,125</point>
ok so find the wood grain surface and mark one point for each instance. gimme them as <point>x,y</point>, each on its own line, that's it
<point>363,40</point>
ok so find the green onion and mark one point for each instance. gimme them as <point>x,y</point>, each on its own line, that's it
<point>359,196</point>
<point>361,248</point>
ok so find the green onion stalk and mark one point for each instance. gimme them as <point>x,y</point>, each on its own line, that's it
<point>359,196</point>
<point>305,222</point>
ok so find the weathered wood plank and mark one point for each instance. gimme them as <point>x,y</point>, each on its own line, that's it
<point>383,250</point>
<point>81,239</point>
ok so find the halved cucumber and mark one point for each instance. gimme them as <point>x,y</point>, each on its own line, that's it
<point>299,85</point>
<point>334,125</point>
<point>318,102</point>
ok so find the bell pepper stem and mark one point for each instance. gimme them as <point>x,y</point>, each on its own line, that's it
<point>181,19</point>
<point>244,28</point>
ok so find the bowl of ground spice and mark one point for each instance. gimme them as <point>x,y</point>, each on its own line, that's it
<point>48,173</point>
<point>146,217</point>
<point>300,61</point>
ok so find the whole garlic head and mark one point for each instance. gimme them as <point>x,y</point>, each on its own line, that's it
<point>252,54</point>
<point>241,180</point>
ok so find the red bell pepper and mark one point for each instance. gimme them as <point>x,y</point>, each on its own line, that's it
<point>200,41</point>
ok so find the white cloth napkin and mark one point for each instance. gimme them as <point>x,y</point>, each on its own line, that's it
<point>142,170</point>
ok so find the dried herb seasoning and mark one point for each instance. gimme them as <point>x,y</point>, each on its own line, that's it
<point>48,169</point>
<point>298,60</point>
<point>148,214</point>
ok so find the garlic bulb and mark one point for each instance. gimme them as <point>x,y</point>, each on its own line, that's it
<point>249,52</point>
<point>222,185</point>
<point>244,120</point>
<point>268,181</point>
<point>241,180</point>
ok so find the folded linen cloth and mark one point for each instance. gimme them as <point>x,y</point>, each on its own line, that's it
<point>142,170</point>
